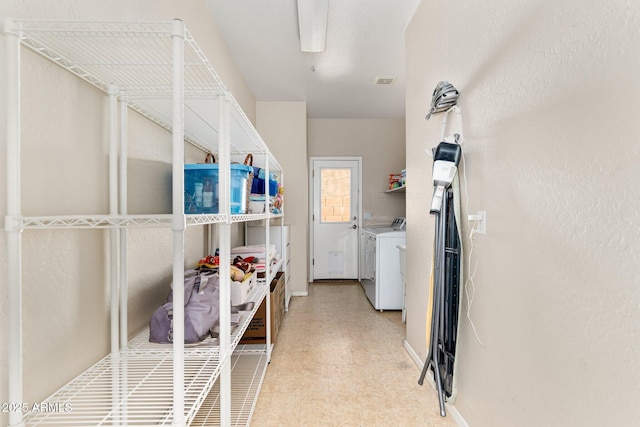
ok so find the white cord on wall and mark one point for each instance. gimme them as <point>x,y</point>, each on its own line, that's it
<point>470,274</point>
<point>469,283</point>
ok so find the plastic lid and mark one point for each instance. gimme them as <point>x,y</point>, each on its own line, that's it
<point>201,166</point>
<point>240,167</point>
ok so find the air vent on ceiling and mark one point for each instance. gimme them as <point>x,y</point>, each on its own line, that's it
<point>385,80</point>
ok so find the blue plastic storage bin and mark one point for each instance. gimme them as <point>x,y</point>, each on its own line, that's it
<point>201,188</point>
<point>239,177</point>
<point>258,184</point>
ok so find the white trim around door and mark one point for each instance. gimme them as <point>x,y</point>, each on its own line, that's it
<point>351,222</point>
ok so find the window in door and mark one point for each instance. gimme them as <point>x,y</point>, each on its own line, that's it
<point>335,188</point>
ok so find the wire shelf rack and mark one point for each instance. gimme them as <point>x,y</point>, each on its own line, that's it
<point>108,221</point>
<point>248,368</point>
<point>136,56</point>
<point>135,59</point>
<point>135,386</point>
<point>129,389</point>
<point>137,62</point>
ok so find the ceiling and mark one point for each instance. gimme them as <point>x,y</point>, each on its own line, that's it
<point>365,42</point>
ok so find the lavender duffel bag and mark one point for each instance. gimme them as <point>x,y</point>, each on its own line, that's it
<point>201,310</point>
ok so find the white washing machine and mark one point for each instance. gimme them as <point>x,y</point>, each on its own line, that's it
<point>380,265</point>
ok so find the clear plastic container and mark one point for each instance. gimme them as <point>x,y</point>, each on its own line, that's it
<point>201,188</point>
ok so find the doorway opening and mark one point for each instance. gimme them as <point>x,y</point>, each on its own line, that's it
<point>335,217</point>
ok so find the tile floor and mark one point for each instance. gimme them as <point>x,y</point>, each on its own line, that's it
<point>338,362</point>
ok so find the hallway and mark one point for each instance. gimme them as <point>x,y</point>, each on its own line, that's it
<point>337,362</point>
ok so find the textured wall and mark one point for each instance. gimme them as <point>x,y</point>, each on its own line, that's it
<point>66,293</point>
<point>549,95</point>
<point>283,125</point>
<point>380,142</point>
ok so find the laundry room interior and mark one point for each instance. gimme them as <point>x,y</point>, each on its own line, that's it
<point>491,157</point>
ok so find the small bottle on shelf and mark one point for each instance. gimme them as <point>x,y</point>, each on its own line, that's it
<point>207,195</point>
<point>197,196</point>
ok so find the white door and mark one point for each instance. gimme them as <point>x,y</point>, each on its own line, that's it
<point>335,218</point>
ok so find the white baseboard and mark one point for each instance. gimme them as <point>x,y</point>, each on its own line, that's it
<point>414,356</point>
<point>457,417</point>
<point>451,410</point>
<point>294,294</point>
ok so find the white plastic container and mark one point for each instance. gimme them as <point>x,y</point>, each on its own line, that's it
<point>240,291</point>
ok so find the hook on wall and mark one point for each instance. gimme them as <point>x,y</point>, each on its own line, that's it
<point>445,96</point>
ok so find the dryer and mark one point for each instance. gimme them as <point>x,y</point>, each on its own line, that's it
<point>380,274</point>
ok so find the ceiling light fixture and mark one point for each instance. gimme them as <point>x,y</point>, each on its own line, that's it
<point>312,23</point>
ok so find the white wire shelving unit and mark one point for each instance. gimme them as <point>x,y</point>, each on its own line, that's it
<point>158,70</point>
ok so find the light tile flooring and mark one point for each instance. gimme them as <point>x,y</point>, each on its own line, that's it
<point>338,362</point>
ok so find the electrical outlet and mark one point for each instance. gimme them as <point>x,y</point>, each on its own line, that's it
<point>480,225</point>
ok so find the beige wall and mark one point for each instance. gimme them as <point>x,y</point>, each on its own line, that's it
<point>66,295</point>
<point>550,98</point>
<point>380,143</point>
<point>283,126</point>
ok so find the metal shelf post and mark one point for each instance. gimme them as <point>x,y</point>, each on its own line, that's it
<point>14,238</point>
<point>179,221</point>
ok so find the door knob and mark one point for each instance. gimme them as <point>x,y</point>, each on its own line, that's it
<point>354,226</point>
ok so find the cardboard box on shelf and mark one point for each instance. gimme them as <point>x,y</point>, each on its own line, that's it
<point>395,181</point>
<point>256,332</point>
